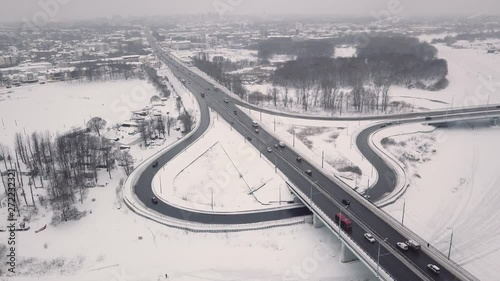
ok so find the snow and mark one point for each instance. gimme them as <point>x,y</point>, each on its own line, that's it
<point>454,175</point>
<point>225,169</point>
<point>345,52</point>
<point>231,54</point>
<point>112,243</point>
<point>59,106</point>
<point>474,80</point>
<point>336,139</point>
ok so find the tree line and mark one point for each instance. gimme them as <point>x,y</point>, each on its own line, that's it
<point>300,49</point>
<point>69,162</point>
<point>216,68</point>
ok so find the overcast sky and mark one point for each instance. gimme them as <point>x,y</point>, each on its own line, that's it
<point>16,10</point>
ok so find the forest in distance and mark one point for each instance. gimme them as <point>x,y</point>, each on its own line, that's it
<point>360,83</point>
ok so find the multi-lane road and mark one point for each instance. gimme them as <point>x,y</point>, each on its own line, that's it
<point>319,188</point>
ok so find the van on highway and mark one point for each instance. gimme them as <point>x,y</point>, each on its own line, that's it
<point>413,244</point>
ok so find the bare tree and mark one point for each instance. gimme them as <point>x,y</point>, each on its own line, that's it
<point>144,128</point>
<point>187,120</point>
<point>126,161</point>
<point>96,124</point>
<point>170,122</point>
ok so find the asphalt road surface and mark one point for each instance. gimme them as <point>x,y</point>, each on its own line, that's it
<point>323,192</point>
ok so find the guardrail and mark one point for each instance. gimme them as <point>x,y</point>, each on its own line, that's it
<point>455,268</point>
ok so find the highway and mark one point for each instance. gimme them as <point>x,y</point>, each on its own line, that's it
<point>322,191</point>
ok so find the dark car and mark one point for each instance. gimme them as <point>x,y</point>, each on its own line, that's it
<point>154,200</point>
<point>155,164</point>
<point>299,159</point>
<point>309,172</point>
<point>249,138</point>
<point>235,112</point>
<point>346,203</point>
<point>202,95</point>
<point>428,118</point>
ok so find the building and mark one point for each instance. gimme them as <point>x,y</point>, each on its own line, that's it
<point>6,61</point>
<point>181,45</point>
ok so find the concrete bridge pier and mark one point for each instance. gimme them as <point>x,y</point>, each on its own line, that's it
<point>317,223</point>
<point>346,255</point>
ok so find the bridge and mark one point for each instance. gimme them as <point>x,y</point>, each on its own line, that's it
<point>322,194</point>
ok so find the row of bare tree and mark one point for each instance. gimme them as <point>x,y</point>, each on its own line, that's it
<point>69,163</point>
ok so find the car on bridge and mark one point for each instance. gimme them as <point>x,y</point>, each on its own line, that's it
<point>413,244</point>
<point>402,246</point>
<point>346,203</point>
<point>434,268</point>
<point>344,222</point>
<point>370,238</point>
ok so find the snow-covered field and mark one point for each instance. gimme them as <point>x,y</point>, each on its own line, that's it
<point>474,80</point>
<point>223,169</point>
<point>115,244</point>
<point>59,106</point>
<point>231,54</point>
<point>454,174</point>
<point>345,52</point>
<point>473,75</point>
<point>336,139</point>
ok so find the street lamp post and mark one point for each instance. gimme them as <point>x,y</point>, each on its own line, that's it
<point>451,243</point>
<point>378,257</point>
<point>404,208</point>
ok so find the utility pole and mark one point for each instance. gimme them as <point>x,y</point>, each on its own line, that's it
<point>404,207</point>
<point>311,196</point>
<point>451,243</point>
<point>279,194</point>
<point>212,192</point>
<point>161,189</point>
<point>487,105</point>
<point>378,257</point>
<point>275,124</point>
<point>275,167</point>
<point>340,215</point>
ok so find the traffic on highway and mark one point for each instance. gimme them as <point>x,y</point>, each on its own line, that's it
<point>390,245</point>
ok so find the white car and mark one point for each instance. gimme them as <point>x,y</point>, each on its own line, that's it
<point>434,268</point>
<point>402,245</point>
<point>369,237</point>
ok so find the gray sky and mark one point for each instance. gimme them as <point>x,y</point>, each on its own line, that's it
<point>16,10</point>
